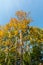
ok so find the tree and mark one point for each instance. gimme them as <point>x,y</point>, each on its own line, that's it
<point>17,38</point>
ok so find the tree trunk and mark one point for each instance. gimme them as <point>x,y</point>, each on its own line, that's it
<point>21,43</point>
<point>16,51</point>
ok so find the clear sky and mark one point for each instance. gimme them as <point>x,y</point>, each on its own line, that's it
<point>9,7</point>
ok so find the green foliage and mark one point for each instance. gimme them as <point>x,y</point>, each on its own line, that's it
<point>26,58</point>
<point>35,55</point>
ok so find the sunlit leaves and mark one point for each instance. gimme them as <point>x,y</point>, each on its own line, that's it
<point>19,28</point>
<point>1,33</point>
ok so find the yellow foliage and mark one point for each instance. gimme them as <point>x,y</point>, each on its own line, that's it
<point>11,30</point>
<point>15,32</point>
<point>7,43</point>
<point>7,27</point>
<point>13,22</point>
<point>31,38</point>
<point>9,35</point>
<point>1,33</point>
<point>6,50</point>
<point>13,49</point>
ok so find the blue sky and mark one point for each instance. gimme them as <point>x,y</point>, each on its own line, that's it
<point>9,7</point>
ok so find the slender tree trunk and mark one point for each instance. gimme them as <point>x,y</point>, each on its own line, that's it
<point>21,43</point>
<point>16,51</point>
<point>21,47</point>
